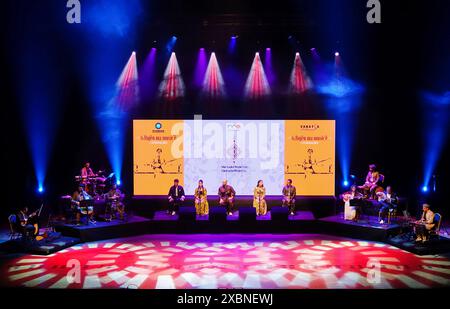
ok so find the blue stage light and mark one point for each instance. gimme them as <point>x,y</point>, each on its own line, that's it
<point>118,182</point>
<point>345,183</point>
<point>40,189</point>
<point>232,44</point>
<point>343,99</point>
<point>110,30</point>
<point>425,189</point>
<point>171,44</point>
<point>436,119</point>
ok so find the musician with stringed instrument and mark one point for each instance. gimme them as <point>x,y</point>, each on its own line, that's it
<point>28,223</point>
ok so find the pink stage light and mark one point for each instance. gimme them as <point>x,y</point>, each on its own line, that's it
<point>127,85</point>
<point>299,81</point>
<point>256,85</point>
<point>213,84</point>
<point>172,86</point>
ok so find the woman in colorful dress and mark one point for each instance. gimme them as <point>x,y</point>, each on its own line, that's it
<point>259,199</point>
<point>201,201</point>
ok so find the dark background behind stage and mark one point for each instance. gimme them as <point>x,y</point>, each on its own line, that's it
<point>395,62</point>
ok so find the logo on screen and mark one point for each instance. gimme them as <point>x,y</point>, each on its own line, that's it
<point>309,127</point>
<point>234,126</point>
<point>158,128</point>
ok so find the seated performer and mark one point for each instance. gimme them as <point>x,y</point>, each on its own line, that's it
<point>289,193</point>
<point>201,199</point>
<point>388,201</point>
<point>259,199</point>
<point>226,196</point>
<point>87,178</point>
<point>371,181</point>
<point>425,224</point>
<point>114,203</point>
<point>87,171</point>
<point>176,197</point>
<point>77,197</point>
<point>351,212</point>
<point>27,224</point>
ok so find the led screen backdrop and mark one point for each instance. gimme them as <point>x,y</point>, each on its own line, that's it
<point>241,151</point>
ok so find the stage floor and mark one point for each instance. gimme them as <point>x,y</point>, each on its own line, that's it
<point>260,261</point>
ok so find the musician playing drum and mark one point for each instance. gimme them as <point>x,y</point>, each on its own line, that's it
<point>114,203</point>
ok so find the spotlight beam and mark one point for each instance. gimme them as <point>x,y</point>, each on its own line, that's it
<point>256,85</point>
<point>172,85</point>
<point>299,81</point>
<point>213,83</point>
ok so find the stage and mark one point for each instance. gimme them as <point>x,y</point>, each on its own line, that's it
<point>247,222</point>
<point>189,119</point>
<point>229,261</point>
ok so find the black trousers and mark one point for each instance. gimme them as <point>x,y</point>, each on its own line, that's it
<point>291,205</point>
<point>421,230</point>
<point>228,204</point>
<point>175,205</point>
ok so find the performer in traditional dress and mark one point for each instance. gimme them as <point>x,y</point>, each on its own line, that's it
<point>289,193</point>
<point>201,199</point>
<point>351,212</point>
<point>259,199</point>
<point>77,197</point>
<point>388,201</point>
<point>114,203</point>
<point>425,224</point>
<point>371,181</point>
<point>226,196</point>
<point>176,197</point>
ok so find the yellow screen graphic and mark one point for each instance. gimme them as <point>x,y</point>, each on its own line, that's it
<point>310,155</point>
<point>158,155</point>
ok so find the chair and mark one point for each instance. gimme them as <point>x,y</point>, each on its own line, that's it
<point>13,232</point>
<point>437,225</point>
<point>380,180</point>
<point>392,214</point>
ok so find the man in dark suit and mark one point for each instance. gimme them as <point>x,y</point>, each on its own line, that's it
<point>176,197</point>
<point>388,201</point>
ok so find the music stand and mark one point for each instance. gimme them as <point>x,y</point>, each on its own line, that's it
<point>86,204</point>
<point>40,210</point>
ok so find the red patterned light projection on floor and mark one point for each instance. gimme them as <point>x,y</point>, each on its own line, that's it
<point>172,86</point>
<point>213,84</point>
<point>229,261</point>
<point>127,84</point>
<point>299,81</point>
<point>257,85</point>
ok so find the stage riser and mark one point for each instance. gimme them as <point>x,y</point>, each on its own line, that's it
<point>237,226</point>
<point>320,206</point>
